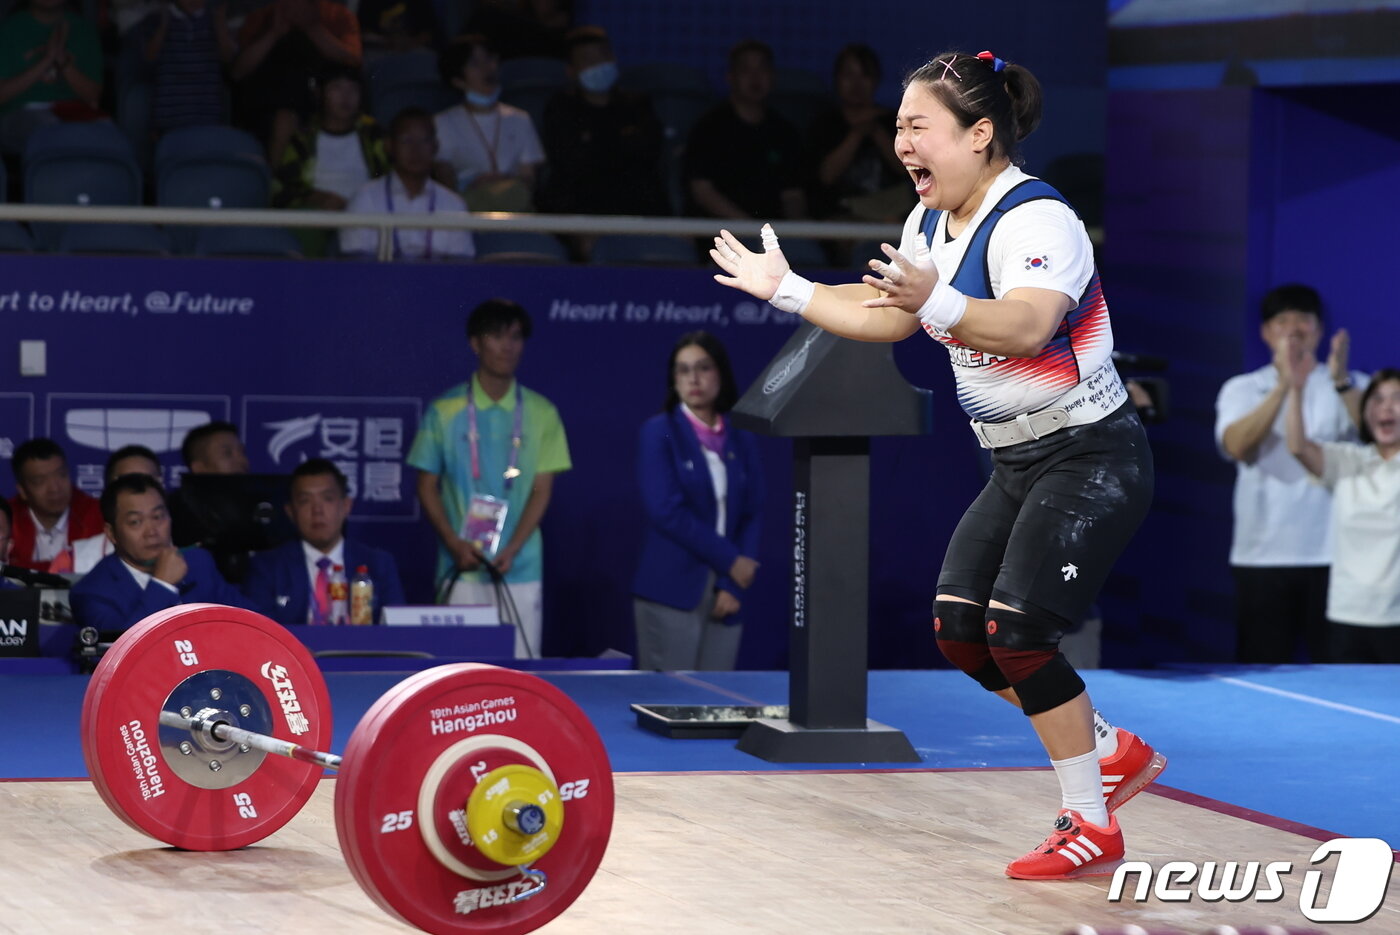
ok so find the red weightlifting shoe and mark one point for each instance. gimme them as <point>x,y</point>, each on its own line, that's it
<point>1129,770</point>
<point>1074,849</point>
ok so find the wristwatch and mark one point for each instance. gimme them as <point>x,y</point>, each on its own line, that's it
<point>1343,386</point>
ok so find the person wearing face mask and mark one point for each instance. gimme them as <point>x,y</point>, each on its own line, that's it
<point>1363,596</point>
<point>1282,545</point>
<point>996,266</point>
<point>490,150</point>
<point>702,495</point>
<point>603,144</point>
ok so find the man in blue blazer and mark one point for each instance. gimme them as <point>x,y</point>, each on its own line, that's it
<point>145,573</point>
<point>283,582</point>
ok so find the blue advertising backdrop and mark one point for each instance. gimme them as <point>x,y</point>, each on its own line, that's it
<point>338,360</point>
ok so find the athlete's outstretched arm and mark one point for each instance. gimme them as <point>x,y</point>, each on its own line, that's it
<point>1019,324</point>
<point>838,309</point>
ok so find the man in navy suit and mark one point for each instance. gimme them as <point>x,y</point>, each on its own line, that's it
<point>145,573</point>
<point>283,582</point>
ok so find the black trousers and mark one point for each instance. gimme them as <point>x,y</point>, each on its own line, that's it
<point>1355,643</point>
<point>1276,608</point>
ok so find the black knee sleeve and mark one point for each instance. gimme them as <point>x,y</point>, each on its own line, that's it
<point>1026,647</point>
<point>960,629</point>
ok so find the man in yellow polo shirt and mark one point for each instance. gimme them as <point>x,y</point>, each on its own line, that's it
<point>487,453</point>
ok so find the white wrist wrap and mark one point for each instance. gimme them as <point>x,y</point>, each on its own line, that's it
<point>945,307</point>
<point>794,294</point>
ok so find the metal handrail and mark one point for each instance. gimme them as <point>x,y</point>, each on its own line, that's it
<point>471,221</point>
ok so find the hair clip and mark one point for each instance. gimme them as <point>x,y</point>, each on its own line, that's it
<point>947,67</point>
<point>996,63</point>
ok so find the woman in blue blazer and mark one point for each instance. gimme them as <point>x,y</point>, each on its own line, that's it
<point>702,489</point>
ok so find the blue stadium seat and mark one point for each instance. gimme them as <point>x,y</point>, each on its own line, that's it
<point>643,250</point>
<point>661,77</point>
<point>518,247</point>
<point>533,72</point>
<point>113,238</point>
<point>79,163</point>
<point>210,167</point>
<point>432,96</point>
<point>406,79</point>
<point>247,242</point>
<point>402,68</point>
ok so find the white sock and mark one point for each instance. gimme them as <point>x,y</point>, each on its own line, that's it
<point>1081,787</point>
<point>1105,736</point>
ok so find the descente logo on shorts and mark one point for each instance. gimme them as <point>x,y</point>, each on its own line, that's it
<point>1360,876</point>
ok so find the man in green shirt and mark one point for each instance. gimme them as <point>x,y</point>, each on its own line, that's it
<point>489,446</point>
<point>50,63</point>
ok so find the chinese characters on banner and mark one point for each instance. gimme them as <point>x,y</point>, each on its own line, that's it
<point>366,437</point>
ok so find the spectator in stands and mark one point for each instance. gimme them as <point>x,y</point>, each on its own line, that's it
<point>603,145</point>
<point>702,491</point>
<point>1282,537</point>
<point>743,160</point>
<point>283,47</point>
<point>491,149</point>
<point>212,448</point>
<point>330,159</point>
<point>189,43</point>
<point>7,526</point>
<point>397,25</point>
<point>524,28</point>
<point>146,572</point>
<point>856,173</point>
<point>86,553</point>
<point>1363,594</point>
<point>291,583</point>
<point>484,443</point>
<point>50,70</point>
<point>409,190</point>
<point>49,513</point>
<point>7,522</point>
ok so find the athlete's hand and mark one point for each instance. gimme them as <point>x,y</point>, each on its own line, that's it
<point>907,282</point>
<point>758,274</point>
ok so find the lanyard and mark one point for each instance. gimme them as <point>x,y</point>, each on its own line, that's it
<point>389,203</point>
<point>495,143</point>
<point>473,436</point>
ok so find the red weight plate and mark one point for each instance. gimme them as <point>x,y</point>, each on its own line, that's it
<point>212,656</point>
<point>415,737</point>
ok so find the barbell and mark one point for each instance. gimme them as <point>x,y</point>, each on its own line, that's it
<point>470,798</point>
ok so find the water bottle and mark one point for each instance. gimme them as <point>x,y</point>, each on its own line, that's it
<point>340,596</point>
<point>361,598</point>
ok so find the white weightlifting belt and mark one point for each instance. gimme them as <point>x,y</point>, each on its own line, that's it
<point>1023,428</point>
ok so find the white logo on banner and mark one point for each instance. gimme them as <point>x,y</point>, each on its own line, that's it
<point>346,440</point>
<point>288,433</point>
<point>109,429</point>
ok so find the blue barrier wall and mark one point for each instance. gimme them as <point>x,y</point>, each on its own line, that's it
<point>319,359</point>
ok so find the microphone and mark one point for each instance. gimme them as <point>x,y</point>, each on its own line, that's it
<point>32,578</point>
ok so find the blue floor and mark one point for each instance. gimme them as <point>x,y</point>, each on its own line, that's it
<point>1318,745</point>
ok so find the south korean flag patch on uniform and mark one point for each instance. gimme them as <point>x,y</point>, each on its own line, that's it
<point>1041,262</point>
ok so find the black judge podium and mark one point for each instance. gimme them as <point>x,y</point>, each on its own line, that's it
<point>830,395</point>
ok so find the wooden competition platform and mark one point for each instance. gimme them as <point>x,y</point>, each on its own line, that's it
<point>709,853</point>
